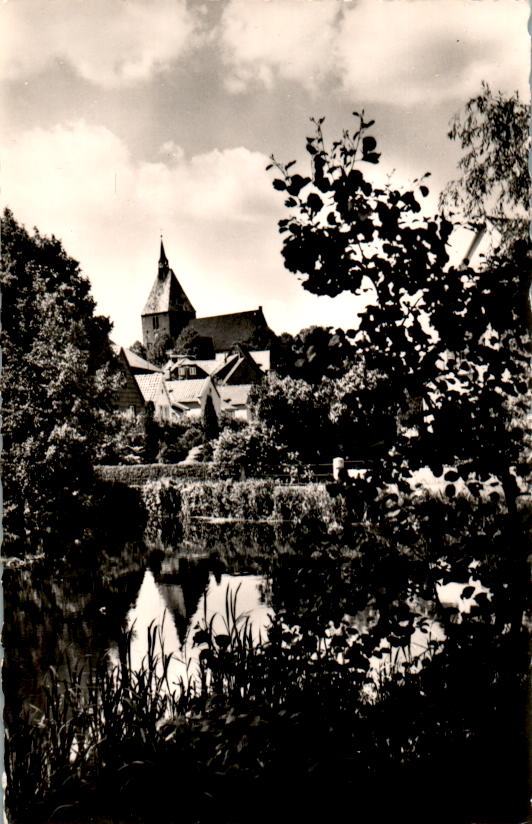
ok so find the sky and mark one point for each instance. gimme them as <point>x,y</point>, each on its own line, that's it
<point>125,119</point>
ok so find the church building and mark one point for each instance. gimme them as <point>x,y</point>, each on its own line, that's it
<point>168,311</point>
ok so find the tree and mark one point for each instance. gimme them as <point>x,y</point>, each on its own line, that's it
<point>494,187</point>
<point>364,416</point>
<point>191,343</point>
<point>450,338</point>
<point>138,348</point>
<point>253,448</point>
<point>57,374</point>
<point>157,349</point>
<point>345,233</point>
<point>295,413</point>
<point>210,426</point>
<point>313,353</point>
<point>123,439</point>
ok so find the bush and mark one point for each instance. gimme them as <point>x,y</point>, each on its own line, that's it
<point>294,413</point>
<point>145,473</point>
<point>253,500</point>
<point>162,503</point>
<point>173,505</point>
<point>252,448</point>
<point>309,505</point>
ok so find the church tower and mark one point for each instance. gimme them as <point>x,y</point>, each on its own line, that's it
<point>167,310</point>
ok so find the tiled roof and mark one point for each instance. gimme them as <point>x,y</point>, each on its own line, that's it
<point>150,386</point>
<point>185,391</point>
<point>225,367</point>
<point>238,364</point>
<point>136,362</point>
<point>208,366</point>
<point>167,294</point>
<point>236,394</point>
<point>226,330</point>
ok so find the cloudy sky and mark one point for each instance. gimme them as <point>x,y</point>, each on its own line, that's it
<point>122,119</point>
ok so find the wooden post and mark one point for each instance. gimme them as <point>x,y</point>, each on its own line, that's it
<point>337,466</point>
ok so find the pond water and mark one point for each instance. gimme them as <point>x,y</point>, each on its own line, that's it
<point>163,604</point>
<point>377,611</point>
<point>71,614</point>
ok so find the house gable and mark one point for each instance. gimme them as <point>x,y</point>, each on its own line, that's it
<point>129,398</point>
<point>239,368</point>
<point>154,390</point>
<point>192,394</point>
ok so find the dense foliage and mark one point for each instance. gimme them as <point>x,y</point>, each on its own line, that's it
<point>189,342</point>
<point>494,187</point>
<point>294,412</point>
<point>57,375</point>
<point>451,343</point>
<point>158,348</point>
<point>313,354</point>
<point>138,348</point>
<point>140,439</point>
<point>311,423</point>
<point>251,449</point>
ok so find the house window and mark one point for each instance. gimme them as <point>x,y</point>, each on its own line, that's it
<point>155,322</point>
<point>182,371</point>
<point>192,370</point>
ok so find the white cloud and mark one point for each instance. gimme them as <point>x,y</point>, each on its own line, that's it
<point>390,51</point>
<point>217,210</point>
<point>108,42</point>
<point>415,52</point>
<point>291,39</point>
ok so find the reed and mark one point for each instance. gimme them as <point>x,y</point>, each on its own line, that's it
<point>297,714</point>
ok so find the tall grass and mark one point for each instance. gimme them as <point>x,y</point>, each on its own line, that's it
<point>112,726</point>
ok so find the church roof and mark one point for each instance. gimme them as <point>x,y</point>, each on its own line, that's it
<point>226,330</point>
<point>166,294</point>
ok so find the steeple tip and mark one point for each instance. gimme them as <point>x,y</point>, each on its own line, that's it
<point>163,260</point>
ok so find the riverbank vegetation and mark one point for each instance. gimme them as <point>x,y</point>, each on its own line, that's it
<point>322,712</point>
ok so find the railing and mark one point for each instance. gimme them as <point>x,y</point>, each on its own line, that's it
<point>290,473</point>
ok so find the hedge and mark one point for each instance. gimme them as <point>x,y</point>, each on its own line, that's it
<point>139,474</point>
<point>173,506</point>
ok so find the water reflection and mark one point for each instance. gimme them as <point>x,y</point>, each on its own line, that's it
<point>63,616</point>
<point>173,601</point>
<point>372,608</point>
<point>73,615</point>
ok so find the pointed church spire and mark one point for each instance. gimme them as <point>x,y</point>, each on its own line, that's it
<point>163,260</point>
